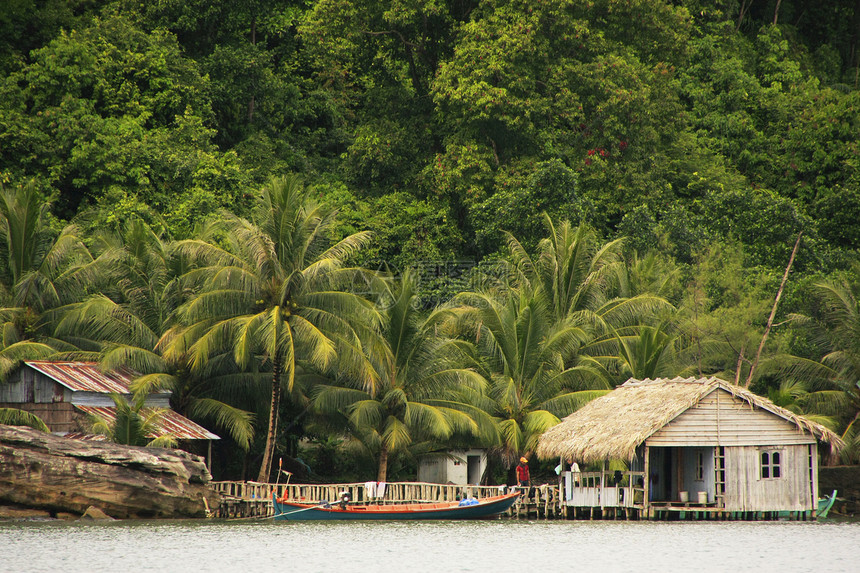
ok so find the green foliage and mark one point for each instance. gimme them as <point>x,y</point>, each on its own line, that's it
<point>271,290</point>
<point>726,308</point>
<point>16,417</point>
<point>530,385</point>
<point>833,369</point>
<point>111,108</point>
<point>421,379</point>
<point>709,134</point>
<point>517,206</point>
<point>135,424</point>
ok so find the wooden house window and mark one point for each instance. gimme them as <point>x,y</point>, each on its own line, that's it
<point>771,464</point>
<point>700,465</point>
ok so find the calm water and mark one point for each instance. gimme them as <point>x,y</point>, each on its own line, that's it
<point>495,546</point>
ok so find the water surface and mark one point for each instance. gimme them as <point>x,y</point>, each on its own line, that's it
<point>496,546</point>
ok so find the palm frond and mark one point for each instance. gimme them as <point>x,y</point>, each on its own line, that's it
<point>238,423</point>
<point>16,417</point>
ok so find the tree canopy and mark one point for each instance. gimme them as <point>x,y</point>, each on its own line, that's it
<point>210,192</point>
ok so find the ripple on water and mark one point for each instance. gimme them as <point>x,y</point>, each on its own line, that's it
<point>497,546</point>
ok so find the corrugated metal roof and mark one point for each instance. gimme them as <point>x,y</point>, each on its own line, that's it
<point>85,436</point>
<point>86,376</point>
<point>170,423</point>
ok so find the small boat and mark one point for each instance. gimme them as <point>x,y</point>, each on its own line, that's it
<point>471,509</point>
<point>824,505</point>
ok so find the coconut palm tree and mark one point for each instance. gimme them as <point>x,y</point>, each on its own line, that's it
<point>527,355</point>
<point>274,288</point>
<point>139,275</point>
<point>134,425</point>
<point>587,283</point>
<point>835,377</point>
<point>39,273</point>
<point>421,378</point>
<point>645,351</point>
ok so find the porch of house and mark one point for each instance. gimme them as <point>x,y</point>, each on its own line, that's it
<point>670,481</point>
<point>663,483</point>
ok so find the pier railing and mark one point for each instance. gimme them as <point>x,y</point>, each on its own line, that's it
<point>394,492</point>
<point>603,489</point>
<point>253,499</point>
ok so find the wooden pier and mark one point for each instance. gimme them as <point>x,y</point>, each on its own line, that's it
<point>253,500</point>
<point>585,497</point>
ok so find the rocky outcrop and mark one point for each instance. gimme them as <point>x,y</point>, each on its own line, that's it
<point>59,475</point>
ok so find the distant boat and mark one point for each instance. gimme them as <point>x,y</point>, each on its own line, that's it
<point>824,505</point>
<point>467,509</point>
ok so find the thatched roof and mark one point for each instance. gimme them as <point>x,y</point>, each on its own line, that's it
<point>611,427</point>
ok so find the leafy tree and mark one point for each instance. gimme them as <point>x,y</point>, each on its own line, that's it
<point>124,323</point>
<point>725,310</point>
<point>579,277</point>
<point>39,273</point>
<point>272,287</point>
<point>551,189</point>
<point>109,108</point>
<point>660,351</point>
<point>563,79</point>
<point>420,379</point>
<point>27,25</point>
<point>836,374</point>
<point>527,355</point>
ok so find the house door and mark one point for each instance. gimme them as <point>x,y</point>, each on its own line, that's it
<point>661,482</point>
<point>473,464</point>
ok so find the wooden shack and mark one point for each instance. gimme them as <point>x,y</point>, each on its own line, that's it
<point>690,444</point>
<point>460,467</point>
<point>67,394</point>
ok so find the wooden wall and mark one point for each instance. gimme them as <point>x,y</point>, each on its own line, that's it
<point>721,419</point>
<point>29,386</point>
<point>746,491</point>
<point>61,417</point>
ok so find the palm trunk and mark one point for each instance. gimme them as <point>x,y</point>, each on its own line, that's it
<point>382,473</point>
<point>272,433</point>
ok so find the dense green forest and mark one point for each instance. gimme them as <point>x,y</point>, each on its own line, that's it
<point>356,232</point>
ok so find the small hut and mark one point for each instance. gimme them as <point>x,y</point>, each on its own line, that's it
<point>702,444</point>
<point>66,394</point>
<point>460,467</point>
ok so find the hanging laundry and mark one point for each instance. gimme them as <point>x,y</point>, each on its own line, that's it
<point>370,489</point>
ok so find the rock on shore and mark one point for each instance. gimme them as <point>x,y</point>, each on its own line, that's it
<point>44,472</point>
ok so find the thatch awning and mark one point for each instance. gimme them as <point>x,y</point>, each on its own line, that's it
<point>614,425</point>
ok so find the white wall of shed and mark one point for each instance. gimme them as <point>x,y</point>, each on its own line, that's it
<point>450,468</point>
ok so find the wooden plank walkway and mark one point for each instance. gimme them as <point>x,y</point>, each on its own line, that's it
<point>253,500</point>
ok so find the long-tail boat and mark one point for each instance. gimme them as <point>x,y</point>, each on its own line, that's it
<point>465,509</point>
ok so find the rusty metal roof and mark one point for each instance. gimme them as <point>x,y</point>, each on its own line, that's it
<point>85,436</point>
<point>170,423</point>
<point>86,376</point>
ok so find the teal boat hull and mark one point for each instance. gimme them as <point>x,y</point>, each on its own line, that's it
<point>824,505</point>
<point>488,507</point>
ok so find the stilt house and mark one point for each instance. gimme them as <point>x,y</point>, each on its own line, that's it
<point>702,444</point>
